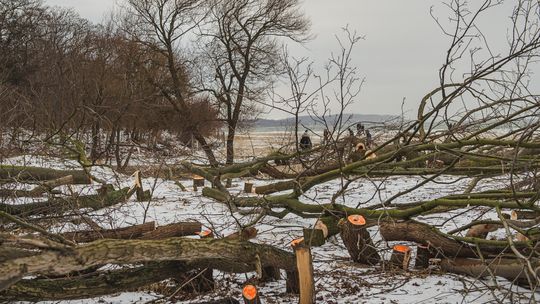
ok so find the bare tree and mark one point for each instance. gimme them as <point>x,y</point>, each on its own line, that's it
<point>241,43</point>
<point>161,25</point>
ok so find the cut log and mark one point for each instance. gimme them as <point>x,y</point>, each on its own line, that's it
<point>357,240</point>
<point>225,255</point>
<point>62,205</point>
<point>511,269</point>
<point>131,232</point>
<point>173,230</point>
<point>401,257</point>
<point>481,231</point>
<point>91,285</point>
<point>244,235</point>
<point>251,295</point>
<point>23,174</point>
<point>421,234</point>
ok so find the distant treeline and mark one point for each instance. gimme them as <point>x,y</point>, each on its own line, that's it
<point>60,72</point>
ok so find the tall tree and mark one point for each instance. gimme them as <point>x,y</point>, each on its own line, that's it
<point>161,25</point>
<point>242,42</point>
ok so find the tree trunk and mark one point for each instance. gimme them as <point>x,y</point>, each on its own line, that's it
<point>62,205</point>
<point>422,234</point>
<point>358,241</point>
<point>131,232</point>
<point>225,255</point>
<point>91,285</point>
<point>173,230</point>
<point>23,174</point>
<point>39,190</point>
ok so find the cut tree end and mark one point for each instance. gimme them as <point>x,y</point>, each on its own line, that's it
<point>249,292</point>
<point>356,219</point>
<point>204,233</point>
<point>297,242</point>
<point>402,248</point>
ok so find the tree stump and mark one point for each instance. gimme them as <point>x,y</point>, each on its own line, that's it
<point>423,254</point>
<point>304,265</point>
<point>248,187</point>
<point>401,257</point>
<point>358,241</point>
<point>251,295</point>
<point>314,237</point>
<point>198,181</point>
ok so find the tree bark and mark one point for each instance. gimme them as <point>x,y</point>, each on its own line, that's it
<point>225,255</point>
<point>39,190</point>
<point>22,174</point>
<point>173,230</point>
<point>62,205</point>
<point>91,285</point>
<point>131,232</point>
<point>422,234</point>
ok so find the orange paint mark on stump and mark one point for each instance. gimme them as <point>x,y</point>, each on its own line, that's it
<point>249,292</point>
<point>402,248</point>
<point>356,219</point>
<point>297,242</point>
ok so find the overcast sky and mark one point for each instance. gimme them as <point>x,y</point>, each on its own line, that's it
<point>399,58</point>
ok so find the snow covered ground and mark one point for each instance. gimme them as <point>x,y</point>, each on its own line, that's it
<point>337,279</point>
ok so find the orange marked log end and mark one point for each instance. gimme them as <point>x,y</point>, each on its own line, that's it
<point>249,292</point>
<point>402,248</point>
<point>297,242</point>
<point>356,219</point>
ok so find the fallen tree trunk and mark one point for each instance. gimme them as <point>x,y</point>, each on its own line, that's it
<point>92,285</point>
<point>39,190</point>
<point>62,205</point>
<point>131,232</point>
<point>510,269</point>
<point>173,230</point>
<point>225,255</point>
<point>23,173</point>
<point>424,234</point>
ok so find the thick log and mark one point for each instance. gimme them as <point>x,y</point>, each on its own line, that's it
<point>422,233</point>
<point>23,173</point>
<point>512,269</point>
<point>221,254</point>
<point>131,232</point>
<point>62,205</point>
<point>39,190</point>
<point>358,241</point>
<point>10,253</point>
<point>481,231</point>
<point>173,230</point>
<point>91,285</point>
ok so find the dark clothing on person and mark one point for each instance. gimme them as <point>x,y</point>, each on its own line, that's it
<point>359,129</point>
<point>369,140</point>
<point>305,142</point>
